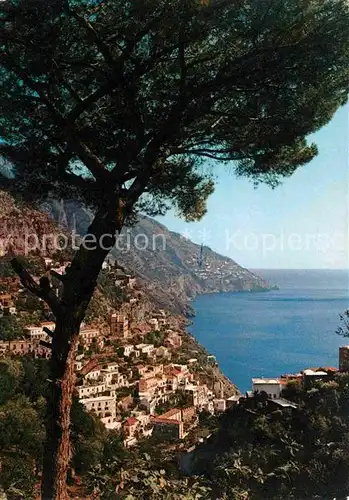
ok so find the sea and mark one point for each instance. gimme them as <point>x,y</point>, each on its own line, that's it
<point>267,334</point>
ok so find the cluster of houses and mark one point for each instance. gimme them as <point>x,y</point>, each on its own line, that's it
<point>38,338</point>
<point>151,381</point>
<point>34,344</point>
<point>127,392</point>
<point>224,271</point>
<point>123,377</point>
<point>272,388</point>
<point>150,386</point>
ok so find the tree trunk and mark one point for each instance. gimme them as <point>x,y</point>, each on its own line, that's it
<point>57,451</point>
<point>79,284</point>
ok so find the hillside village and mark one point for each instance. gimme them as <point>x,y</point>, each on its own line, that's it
<point>142,377</point>
<point>170,266</point>
<point>141,374</point>
<point>147,383</point>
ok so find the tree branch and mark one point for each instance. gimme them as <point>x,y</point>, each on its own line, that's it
<point>102,47</point>
<point>48,331</point>
<point>48,345</point>
<point>80,108</point>
<point>42,290</point>
<point>203,150</point>
<point>72,91</point>
<point>182,65</point>
<point>92,162</point>
<point>59,277</point>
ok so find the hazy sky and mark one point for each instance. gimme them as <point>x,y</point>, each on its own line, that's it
<point>301,224</point>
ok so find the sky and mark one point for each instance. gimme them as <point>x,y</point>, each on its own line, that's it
<point>302,224</point>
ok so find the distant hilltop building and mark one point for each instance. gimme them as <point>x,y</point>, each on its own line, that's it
<point>344,358</point>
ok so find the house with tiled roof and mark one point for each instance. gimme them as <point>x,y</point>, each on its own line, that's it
<point>167,428</point>
<point>130,426</point>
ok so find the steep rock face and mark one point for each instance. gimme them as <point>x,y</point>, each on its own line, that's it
<point>25,230</point>
<point>165,262</point>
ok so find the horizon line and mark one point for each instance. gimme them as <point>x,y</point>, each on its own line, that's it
<point>299,268</point>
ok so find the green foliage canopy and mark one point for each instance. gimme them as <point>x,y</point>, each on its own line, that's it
<point>293,454</point>
<point>129,98</point>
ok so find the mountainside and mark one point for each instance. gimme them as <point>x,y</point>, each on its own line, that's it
<point>170,262</point>
<point>165,261</point>
<point>22,228</point>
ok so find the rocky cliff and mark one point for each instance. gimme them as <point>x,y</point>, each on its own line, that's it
<point>172,269</point>
<point>24,229</point>
<point>165,262</point>
<point>171,265</point>
<point>167,270</point>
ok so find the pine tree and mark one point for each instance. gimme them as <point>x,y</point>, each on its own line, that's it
<point>118,104</point>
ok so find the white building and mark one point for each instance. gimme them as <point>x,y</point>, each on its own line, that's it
<point>86,391</point>
<point>103,406</point>
<point>271,386</point>
<point>37,332</point>
<point>111,423</point>
<point>198,394</point>
<point>220,404</point>
<point>93,374</point>
<point>112,367</point>
<point>145,348</point>
<point>128,349</point>
<point>154,323</point>
<point>88,335</point>
<point>142,418</point>
<point>192,361</point>
<point>110,377</point>
<point>78,364</point>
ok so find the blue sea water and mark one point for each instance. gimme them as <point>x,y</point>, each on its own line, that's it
<point>267,334</point>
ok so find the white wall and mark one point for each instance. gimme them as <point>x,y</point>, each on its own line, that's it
<point>273,390</point>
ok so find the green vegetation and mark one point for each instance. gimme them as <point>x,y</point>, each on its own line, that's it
<point>23,384</point>
<point>139,476</point>
<point>259,453</point>
<point>34,263</point>
<point>6,270</point>
<point>21,429</point>
<point>99,457</point>
<point>10,328</point>
<point>115,294</point>
<point>156,338</point>
<point>28,303</point>
<point>177,400</point>
<point>98,308</point>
